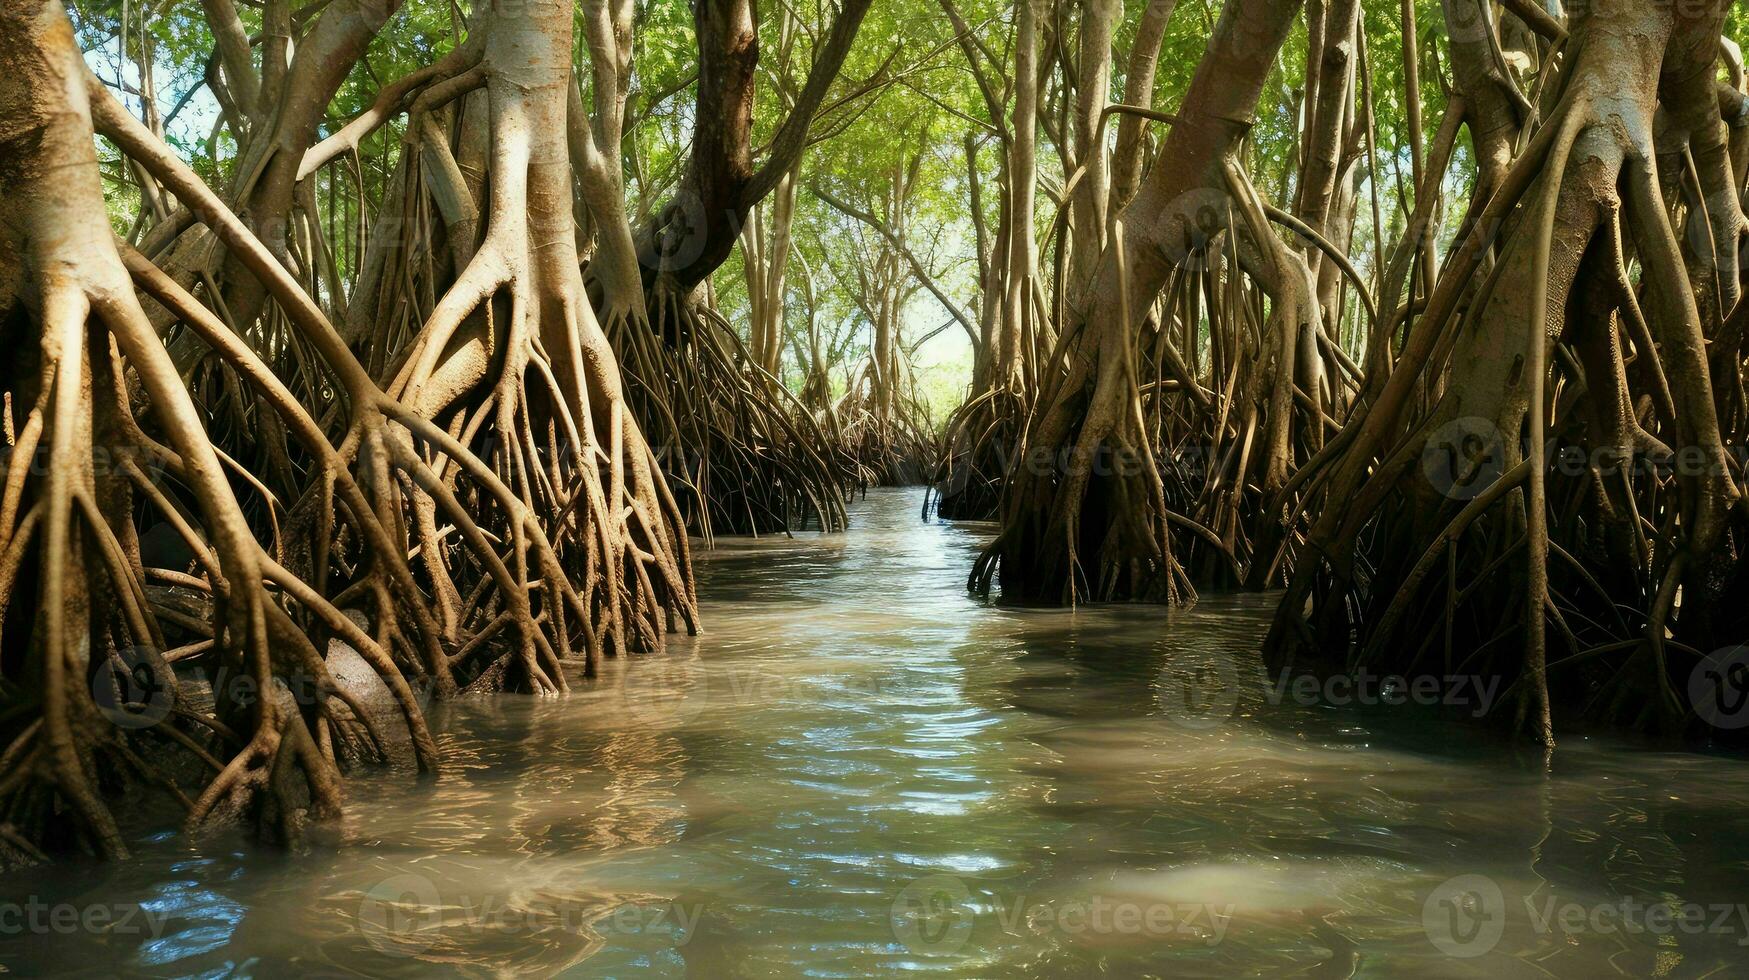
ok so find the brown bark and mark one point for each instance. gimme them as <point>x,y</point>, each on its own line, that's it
<point>693,235</point>
<point>1096,525</point>
<point>86,621</point>
<point>1542,268</point>
<point>1092,92</point>
<point>1144,61</point>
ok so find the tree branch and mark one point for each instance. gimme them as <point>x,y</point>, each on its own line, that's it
<point>792,137</point>
<point>917,267</point>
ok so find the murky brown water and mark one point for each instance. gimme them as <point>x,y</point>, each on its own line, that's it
<point>861,771</point>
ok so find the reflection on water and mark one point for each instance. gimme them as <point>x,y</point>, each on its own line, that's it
<point>861,771</point>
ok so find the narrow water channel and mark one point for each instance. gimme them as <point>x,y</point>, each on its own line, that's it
<point>861,771</point>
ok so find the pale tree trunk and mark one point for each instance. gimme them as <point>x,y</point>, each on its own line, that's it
<point>1093,192</point>
<point>876,414</point>
<point>987,246</point>
<point>95,629</point>
<point>1330,115</point>
<point>1144,60</point>
<point>1049,550</point>
<point>983,435</point>
<point>1543,265</point>
<point>765,252</point>
<point>277,110</point>
<point>741,457</point>
<point>766,240</point>
<point>989,372</point>
<point>596,138</point>
<point>817,385</point>
<point>1494,107</point>
<point>557,370</point>
<point>1019,311</point>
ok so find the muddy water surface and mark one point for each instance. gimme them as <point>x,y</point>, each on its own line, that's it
<point>860,771</point>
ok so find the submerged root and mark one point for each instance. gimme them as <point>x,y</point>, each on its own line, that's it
<point>472,523</point>
<point>973,456</point>
<point>1539,517</point>
<point>105,665</point>
<point>881,434</point>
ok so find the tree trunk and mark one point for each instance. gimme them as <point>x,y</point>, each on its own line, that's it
<point>1482,465</point>
<point>1084,514</point>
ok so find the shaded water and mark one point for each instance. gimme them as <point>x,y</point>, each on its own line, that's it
<point>861,771</point>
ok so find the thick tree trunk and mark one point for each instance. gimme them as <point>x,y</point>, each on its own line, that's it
<point>1085,515</point>
<point>1019,311</point>
<point>1093,193</point>
<point>983,433</point>
<point>513,350</point>
<point>86,629</point>
<point>765,254</point>
<point>743,459</point>
<point>1144,61</point>
<point>1542,269</point>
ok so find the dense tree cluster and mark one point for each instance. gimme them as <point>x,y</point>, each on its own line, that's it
<point>404,335</point>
